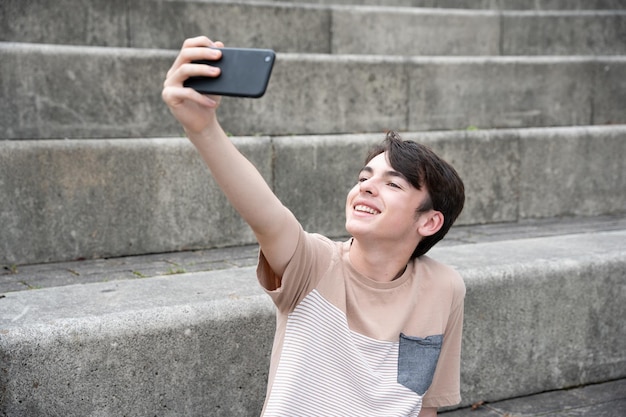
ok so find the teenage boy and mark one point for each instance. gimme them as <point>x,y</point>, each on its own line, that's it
<point>366,327</point>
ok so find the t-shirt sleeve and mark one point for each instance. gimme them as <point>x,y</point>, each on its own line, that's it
<point>445,389</point>
<point>310,260</point>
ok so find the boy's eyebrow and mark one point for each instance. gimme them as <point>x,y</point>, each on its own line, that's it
<point>390,173</point>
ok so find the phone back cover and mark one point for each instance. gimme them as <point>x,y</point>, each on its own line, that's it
<point>244,73</point>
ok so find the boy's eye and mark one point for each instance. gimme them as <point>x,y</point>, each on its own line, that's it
<point>394,185</point>
<point>361,179</point>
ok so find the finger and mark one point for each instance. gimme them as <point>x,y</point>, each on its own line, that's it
<point>176,77</point>
<point>200,53</point>
<point>197,48</point>
<point>197,41</point>
<point>175,96</point>
<point>184,68</point>
<point>202,41</point>
<point>195,53</point>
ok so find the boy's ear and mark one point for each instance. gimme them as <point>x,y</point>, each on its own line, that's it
<point>429,223</point>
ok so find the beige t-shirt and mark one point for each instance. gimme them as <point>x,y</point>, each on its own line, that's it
<point>346,345</point>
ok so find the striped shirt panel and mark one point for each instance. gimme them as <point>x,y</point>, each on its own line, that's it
<point>328,370</point>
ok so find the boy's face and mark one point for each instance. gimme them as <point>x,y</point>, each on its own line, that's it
<point>383,204</point>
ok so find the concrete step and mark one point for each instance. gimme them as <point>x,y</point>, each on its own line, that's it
<point>480,4</point>
<point>139,267</point>
<point>198,343</point>
<point>93,92</point>
<point>606,399</point>
<point>398,31</point>
<point>306,28</point>
<point>71,199</point>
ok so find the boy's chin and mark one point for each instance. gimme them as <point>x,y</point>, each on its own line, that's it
<point>356,230</point>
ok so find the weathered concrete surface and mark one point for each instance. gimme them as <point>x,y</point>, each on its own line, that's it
<point>398,31</point>
<point>87,271</point>
<point>546,310</point>
<point>550,33</point>
<point>592,175</point>
<point>282,27</point>
<point>70,199</point>
<point>401,31</point>
<point>195,345</point>
<point>542,313</point>
<point>80,199</point>
<point>165,24</point>
<point>68,92</point>
<point>606,399</point>
<point>371,94</point>
<point>89,92</point>
<point>483,4</point>
<point>321,94</point>
<point>502,92</point>
<point>307,28</point>
<point>72,22</point>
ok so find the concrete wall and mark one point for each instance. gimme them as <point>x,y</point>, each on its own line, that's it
<point>84,199</point>
<point>70,199</point>
<point>183,347</point>
<point>307,28</point>
<point>540,314</point>
<point>397,31</point>
<point>485,4</point>
<point>77,92</point>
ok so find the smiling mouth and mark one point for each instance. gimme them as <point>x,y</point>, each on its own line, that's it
<point>366,209</point>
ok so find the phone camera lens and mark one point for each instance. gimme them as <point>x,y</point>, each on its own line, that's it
<point>268,58</point>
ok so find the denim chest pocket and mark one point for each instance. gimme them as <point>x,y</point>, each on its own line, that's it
<point>417,360</point>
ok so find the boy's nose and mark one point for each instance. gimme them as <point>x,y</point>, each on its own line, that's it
<point>368,187</point>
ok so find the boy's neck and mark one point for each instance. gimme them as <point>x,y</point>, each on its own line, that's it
<point>377,262</point>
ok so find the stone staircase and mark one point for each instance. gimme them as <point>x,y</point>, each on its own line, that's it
<point>527,98</point>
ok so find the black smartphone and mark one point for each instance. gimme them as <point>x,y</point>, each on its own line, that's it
<point>245,72</point>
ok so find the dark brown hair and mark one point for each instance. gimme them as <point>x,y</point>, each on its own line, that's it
<point>425,170</point>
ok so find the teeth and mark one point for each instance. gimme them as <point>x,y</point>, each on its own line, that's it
<point>366,209</point>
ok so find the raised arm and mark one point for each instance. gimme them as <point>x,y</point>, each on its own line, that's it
<point>275,227</point>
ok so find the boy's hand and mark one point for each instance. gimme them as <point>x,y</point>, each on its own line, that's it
<point>194,111</point>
